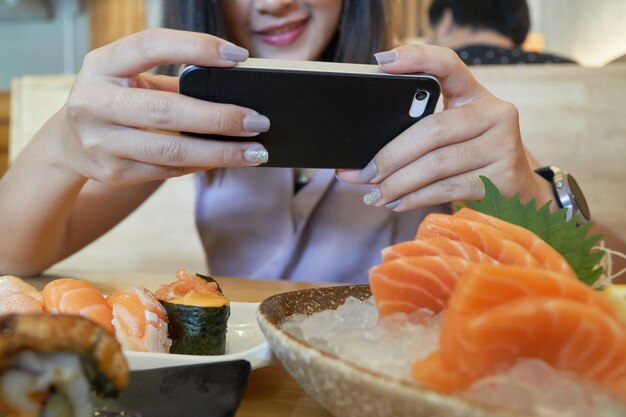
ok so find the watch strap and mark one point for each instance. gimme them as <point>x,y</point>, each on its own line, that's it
<point>567,193</point>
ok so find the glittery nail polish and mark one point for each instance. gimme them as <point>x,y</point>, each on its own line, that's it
<point>372,197</point>
<point>256,154</point>
<point>233,53</point>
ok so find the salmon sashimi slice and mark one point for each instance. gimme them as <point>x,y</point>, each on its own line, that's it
<point>488,286</point>
<point>75,296</point>
<point>490,325</point>
<point>414,282</point>
<point>547,256</point>
<point>565,334</point>
<point>488,239</point>
<point>436,246</point>
<point>140,320</point>
<point>436,374</point>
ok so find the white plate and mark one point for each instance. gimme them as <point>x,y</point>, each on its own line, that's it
<point>244,340</point>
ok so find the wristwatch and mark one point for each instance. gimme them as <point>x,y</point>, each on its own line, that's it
<point>567,193</point>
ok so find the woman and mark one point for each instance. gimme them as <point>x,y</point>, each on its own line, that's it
<point>116,139</point>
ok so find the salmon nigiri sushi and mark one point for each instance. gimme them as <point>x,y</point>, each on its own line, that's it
<point>16,296</point>
<point>75,296</point>
<point>140,321</point>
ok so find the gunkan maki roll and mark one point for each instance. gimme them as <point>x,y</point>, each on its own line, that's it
<point>197,312</point>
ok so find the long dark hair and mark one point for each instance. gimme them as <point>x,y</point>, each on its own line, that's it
<point>364,27</point>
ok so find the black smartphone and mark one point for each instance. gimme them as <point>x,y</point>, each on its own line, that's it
<point>322,115</point>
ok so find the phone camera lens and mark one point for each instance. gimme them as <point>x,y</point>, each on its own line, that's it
<point>421,95</point>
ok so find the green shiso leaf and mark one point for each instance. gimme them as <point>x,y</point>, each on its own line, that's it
<point>565,236</point>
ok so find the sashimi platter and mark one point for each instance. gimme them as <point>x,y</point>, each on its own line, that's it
<point>499,309</point>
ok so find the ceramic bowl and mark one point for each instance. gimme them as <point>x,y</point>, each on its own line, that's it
<point>343,388</point>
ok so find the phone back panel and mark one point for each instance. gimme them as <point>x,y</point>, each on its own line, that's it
<point>318,120</point>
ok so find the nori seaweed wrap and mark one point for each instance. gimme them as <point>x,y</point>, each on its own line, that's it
<point>197,312</point>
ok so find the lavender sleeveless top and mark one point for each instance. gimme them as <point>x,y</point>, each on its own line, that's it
<point>251,224</point>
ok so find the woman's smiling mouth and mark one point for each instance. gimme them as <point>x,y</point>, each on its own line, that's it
<point>282,35</point>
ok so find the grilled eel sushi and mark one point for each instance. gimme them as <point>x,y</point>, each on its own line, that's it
<point>52,365</point>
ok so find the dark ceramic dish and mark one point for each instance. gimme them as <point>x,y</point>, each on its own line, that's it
<point>345,389</point>
<point>206,390</point>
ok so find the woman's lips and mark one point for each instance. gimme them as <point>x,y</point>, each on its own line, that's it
<point>283,35</point>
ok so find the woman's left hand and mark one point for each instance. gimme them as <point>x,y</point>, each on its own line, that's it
<point>440,158</point>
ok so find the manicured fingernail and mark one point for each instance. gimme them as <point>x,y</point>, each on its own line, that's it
<point>233,53</point>
<point>386,57</point>
<point>372,197</point>
<point>393,204</point>
<point>256,154</point>
<point>368,173</point>
<point>256,123</point>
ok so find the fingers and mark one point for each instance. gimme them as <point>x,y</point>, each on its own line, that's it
<point>178,152</point>
<point>452,172</point>
<point>466,186</point>
<point>462,126</point>
<point>121,173</point>
<point>440,165</point>
<point>429,134</point>
<point>458,85</point>
<point>440,158</point>
<point>151,109</point>
<point>123,123</point>
<point>135,156</point>
<point>159,82</point>
<point>142,51</point>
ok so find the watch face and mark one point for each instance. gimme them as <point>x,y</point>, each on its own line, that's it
<point>579,197</point>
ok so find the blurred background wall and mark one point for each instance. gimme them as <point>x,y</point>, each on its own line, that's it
<point>53,36</point>
<point>591,32</point>
<point>32,43</point>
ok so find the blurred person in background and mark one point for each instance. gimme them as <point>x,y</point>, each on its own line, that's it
<point>486,32</point>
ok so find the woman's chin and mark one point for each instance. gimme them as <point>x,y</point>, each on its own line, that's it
<point>292,52</point>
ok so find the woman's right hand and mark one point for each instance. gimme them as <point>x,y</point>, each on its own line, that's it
<point>121,126</point>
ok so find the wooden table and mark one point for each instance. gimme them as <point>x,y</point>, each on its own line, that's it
<point>271,390</point>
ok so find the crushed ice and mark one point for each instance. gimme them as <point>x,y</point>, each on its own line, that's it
<point>534,387</point>
<point>354,333</point>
